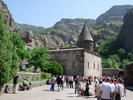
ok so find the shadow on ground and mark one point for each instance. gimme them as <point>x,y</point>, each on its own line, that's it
<point>86,97</point>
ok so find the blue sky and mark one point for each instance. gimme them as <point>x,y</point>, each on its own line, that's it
<point>47,12</point>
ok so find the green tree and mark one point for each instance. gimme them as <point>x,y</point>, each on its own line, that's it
<point>8,56</point>
<point>110,63</point>
<point>124,63</point>
<point>20,47</point>
<point>55,68</point>
<point>39,58</point>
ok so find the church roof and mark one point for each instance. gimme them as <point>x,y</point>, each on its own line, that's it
<point>85,34</point>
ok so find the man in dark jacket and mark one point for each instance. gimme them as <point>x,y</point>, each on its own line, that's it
<point>15,82</point>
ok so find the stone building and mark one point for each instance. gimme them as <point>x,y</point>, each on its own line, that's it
<point>81,60</point>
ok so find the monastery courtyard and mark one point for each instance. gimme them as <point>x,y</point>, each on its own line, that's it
<point>42,93</point>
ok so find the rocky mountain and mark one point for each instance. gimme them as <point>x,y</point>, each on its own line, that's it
<point>126,33</point>
<point>69,29</point>
<point>107,24</point>
<point>33,41</point>
<point>106,30</point>
<point>114,14</point>
<point>35,29</point>
<point>7,15</point>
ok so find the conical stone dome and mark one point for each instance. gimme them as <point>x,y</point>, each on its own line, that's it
<point>85,34</point>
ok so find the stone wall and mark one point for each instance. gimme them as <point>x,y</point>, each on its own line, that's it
<point>111,71</point>
<point>76,60</point>
<point>29,76</point>
<point>72,60</point>
<point>93,65</point>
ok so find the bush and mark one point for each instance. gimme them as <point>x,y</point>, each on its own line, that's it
<point>46,75</point>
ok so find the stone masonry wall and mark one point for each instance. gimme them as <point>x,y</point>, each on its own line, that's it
<point>92,65</point>
<point>76,60</point>
<point>72,60</point>
<point>29,76</point>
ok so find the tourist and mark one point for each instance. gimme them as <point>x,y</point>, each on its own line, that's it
<point>59,82</point>
<point>87,89</point>
<point>120,90</point>
<point>71,79</point>
<point>62,82</point>
<point>26,85</point>
<point>98,90</point>
<point>113,88</point>
<point>67,81</point>
<point>77,85</point>
<point>15,82</point>
<point>96,84</point>
<point>106,90</point>
<point>52,82</point>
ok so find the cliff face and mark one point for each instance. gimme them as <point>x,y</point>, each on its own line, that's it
<point>7,16</point>
<point>48,41</point>
<point>115,13</point>
<point>126,34</point>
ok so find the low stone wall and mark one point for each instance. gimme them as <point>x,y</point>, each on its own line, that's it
<point>111,71</point>
<point>9,87</point>
<point>29,76</point>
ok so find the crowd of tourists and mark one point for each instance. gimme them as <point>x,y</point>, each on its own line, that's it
<point>109,88</point>
<point>105,88</point>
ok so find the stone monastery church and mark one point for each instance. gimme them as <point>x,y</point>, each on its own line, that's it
<point>81,60</point>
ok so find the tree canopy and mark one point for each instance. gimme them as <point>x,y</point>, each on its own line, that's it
<point>8,55</point>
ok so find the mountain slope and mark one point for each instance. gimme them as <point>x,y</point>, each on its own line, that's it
<point>26,27</point>
<point>69,29</point>
<point>115,13</point>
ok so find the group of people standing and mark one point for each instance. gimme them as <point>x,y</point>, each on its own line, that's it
<point>105,88</point>
<point>109,88</point>
<point>71,82</point>
<point>60,80</point>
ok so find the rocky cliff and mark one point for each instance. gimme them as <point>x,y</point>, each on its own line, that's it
<point>48,41</point>
<point>7,15</point>
<point>114,14</point>
<point>126,34</point>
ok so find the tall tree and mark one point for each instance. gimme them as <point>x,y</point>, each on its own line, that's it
<point>8,56</point>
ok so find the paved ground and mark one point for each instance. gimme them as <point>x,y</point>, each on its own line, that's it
<point>42,93</point>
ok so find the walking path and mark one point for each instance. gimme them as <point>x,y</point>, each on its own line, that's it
<point>43,93</point>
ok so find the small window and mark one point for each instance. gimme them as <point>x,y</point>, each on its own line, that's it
<point>88,65</point>
<point>73,64</point>
<point>98,67</point>
<point>93,65</point>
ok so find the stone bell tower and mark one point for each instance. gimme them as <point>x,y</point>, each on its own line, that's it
<point>85,39</point>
